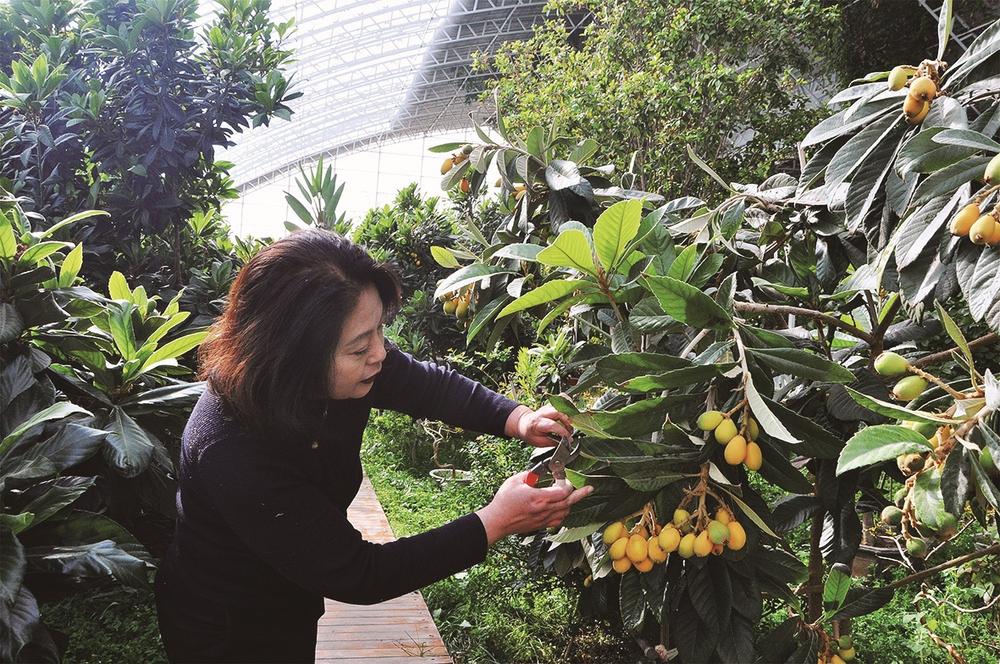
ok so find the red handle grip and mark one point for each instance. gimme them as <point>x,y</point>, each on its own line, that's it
<point>532,478</point>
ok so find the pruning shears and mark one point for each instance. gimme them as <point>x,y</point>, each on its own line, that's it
<point>567,450</point>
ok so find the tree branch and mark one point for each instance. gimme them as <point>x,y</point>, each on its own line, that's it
<point>954,562</point>
<point>946,354</point>
<point>754,307</point>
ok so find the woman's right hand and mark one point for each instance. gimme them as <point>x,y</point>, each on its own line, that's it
<point>519,508</point>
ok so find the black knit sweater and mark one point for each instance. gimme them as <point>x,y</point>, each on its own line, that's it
<point>263,522</point>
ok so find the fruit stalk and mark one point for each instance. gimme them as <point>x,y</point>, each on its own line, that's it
<point>937,381</point>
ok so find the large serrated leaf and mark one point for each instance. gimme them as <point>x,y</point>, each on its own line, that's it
<point>928,502</point>
<point>632,601</point>
<point>967,138</point>
<point>547,292</point>
<point>858,148</point>
<point>571,249</point>
<point>803,364</point>
<point>923,226</point>
<point>835,125</point>
<point>688,304</point>
<point>921,154</point>
<point>879,443</point>
<point>897,412</point>
<point>950,178</point>
<point>615,228</point>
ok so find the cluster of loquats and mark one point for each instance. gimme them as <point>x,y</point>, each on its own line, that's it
<point>453,160</point>
<point>459,304</point>
<point>923,88</point>
<point>740,442</point>
<point>839,651</point>
<point>689,535</point>
<point>971,222</point>
<point>941,439</point>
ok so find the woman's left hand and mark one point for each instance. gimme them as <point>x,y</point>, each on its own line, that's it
<point>537,427</point>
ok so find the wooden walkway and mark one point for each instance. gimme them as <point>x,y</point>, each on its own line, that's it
<point>400,631</point>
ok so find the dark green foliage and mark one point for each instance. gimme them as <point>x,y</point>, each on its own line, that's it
<point>120,106</point>
<point>647,77</point>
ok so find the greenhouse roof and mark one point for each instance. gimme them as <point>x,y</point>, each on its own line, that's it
<point>376,71</point>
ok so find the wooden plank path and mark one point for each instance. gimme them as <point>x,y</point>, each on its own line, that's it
<point>400,631</point>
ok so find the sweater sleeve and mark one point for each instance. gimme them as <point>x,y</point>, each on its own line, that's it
<point>293,527</point>
<point>427,390</point>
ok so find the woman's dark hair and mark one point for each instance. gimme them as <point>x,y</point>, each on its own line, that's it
<point>268,356</point>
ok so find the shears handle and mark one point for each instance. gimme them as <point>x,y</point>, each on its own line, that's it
<point>532,478</point>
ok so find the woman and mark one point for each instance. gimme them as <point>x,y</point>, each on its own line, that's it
<point>270,460</point>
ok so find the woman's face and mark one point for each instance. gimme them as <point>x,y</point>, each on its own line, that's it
<point>360,351</point>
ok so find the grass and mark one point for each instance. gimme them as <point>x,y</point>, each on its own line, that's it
<point>107,627</point>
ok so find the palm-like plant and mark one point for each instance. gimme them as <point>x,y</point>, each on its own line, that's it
<point>318,205</point>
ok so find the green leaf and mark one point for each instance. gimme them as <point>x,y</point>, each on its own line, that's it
<point>632,601</point>
<point>978,271</point>
<point>683,266</point>
<point>485,314</point>
<point>120,323</point>
<point>928,501</point>
<point>758,521</point>
<point>299,209</point>
<point>443,257</point>
<point>70,267</point>
<point>56,411</point>
<point>879,443</point>
<point>561,174</point>
<point>8,243</point>
<point>676,378</point>
<point>979,51</point>
<point>803,364</point>
<point>863,603</point>
<point>897,412</point>
<point>651,478</point>
<point>11,323</point>
<point>856,150</point>
<point>17,523</point>
<point>550,290</point>
<point>570,249</point>
<point>468,275</point>
<point>619,367</point>
<point>37,253</point>
<point>945,17</point>
<point>58,494</point>
<point>922,226</point>
<point>173,350</point>
<point>867,185</point>
<point>768,421</point>
<point>639,418</point>
<point>566,535</point>
<point>956,335</point>
<point>523,251</point>
<point>72,219</point>
<point>98,559</point>
<point>966,138</point>
<point>166,326</point>
<point>12,567</point>
<point>615,228</point>
<point>948,179</point>
<point>836,587</point>
<point>921,154</point>
<point>128,448</point>
<point>535,143</point>
<point>836,125</point>
<point>445,147</point>
<point>118,288</point>
<point>815,441</point>
<point>688,304</point>
<point>708,169</point>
